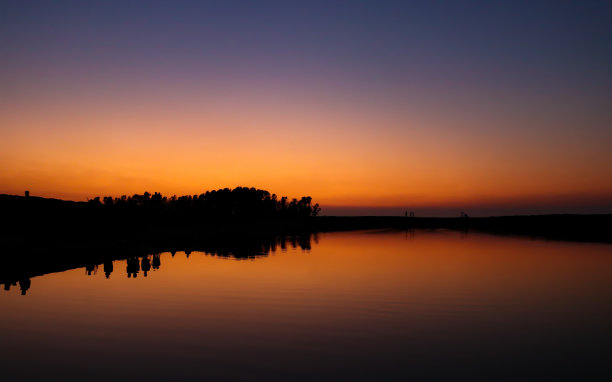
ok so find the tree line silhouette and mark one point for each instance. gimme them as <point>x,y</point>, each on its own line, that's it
<point>240,202</point>
<point>153,217</point>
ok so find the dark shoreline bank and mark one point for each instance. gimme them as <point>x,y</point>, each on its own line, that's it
<point>40,236</point>
<point>54,219</point>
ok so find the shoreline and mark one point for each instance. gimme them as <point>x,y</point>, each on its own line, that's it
<point>40,236</point>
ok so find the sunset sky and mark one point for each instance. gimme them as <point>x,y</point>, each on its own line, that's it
<point>370,107</point>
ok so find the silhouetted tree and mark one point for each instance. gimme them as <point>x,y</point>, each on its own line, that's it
<point>152,212</point>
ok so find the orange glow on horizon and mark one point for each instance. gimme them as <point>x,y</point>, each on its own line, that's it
<point>374,111</point>
<point>339,153</point>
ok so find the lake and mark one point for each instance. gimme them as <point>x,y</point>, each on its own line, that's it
<point>366,305</point>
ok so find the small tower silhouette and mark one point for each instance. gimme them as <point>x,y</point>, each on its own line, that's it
<point>27,194</point>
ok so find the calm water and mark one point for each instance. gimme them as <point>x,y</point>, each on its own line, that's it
<point>421,305</point>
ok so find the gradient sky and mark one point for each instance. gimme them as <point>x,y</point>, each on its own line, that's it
<point>492,107</point>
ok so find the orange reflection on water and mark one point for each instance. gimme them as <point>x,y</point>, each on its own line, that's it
<point>347,266</point>
<point>371,299</point>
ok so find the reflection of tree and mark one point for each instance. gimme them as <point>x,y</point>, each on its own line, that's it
<point>108,268</point>
<point>133,266</point>
<point>145,264</point>
<point>156,261</point>
<point>24,285</point>
<point>91,268</point>
<point>249,248</point>
<point>236,247</point>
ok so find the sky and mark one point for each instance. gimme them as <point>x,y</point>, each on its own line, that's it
<point>370,107</point>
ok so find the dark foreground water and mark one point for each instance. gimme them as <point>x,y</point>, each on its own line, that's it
<point>369,306</point>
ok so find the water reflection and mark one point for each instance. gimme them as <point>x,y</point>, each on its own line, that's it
<point>392,306</point>
<point>145,264</point>
<point>156,261</point>
<point>91,268</point>
<point>133,267</point>
<point>24,285</point>
<point>231,247</point>
<point>108,268</point>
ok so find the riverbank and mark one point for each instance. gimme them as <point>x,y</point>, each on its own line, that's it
<point>40,235</point>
